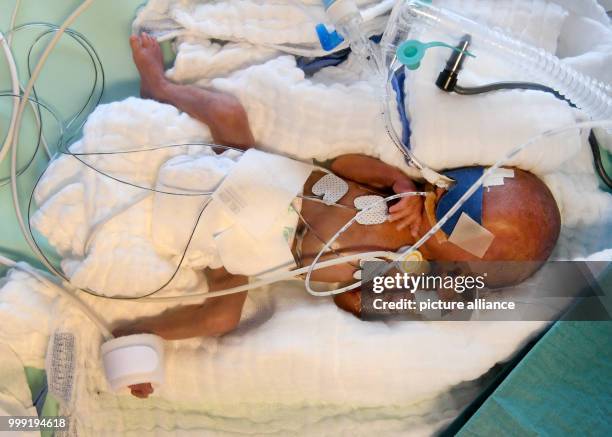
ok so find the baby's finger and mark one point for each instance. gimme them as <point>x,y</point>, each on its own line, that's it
<point>403,224</point>
<point>398,215</point>
<point>399,205</point>
<point>414,228</point>
<point>405,212</point>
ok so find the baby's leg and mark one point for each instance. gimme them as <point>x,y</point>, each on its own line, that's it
<point>223,113</point>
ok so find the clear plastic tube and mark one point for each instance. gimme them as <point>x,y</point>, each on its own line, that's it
<point>411,17</point>
<point>388,100</point>
<point>72,298</point>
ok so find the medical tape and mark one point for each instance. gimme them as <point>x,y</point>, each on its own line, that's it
<point>471,236</point>
<point>496,178</point>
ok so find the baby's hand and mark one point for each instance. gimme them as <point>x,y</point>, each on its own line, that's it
<point>142,391</point>
<point>408,211</point>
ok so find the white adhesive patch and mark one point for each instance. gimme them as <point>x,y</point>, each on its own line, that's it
<point>375,215</point>
<point>497,177</point>
<point>470,236</point>
<point>331,187</point>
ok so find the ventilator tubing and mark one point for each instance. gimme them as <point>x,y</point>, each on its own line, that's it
<point>411,18</point>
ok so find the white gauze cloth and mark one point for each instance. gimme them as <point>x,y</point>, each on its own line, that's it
<point>243,225</point>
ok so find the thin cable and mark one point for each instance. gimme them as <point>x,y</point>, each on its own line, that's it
<point>597,160</point>
<point>102,326</point>
<point>12,23</point>
<point>192,232</point>
<point>14,139</point>
<point>98,82</point>
<point>430,175</point>
<point>500,86</point>
<point>337,235</point>
<point>38,104</point>
<point>273,277</point>
<point>91,100</point>
<point>6,145</point>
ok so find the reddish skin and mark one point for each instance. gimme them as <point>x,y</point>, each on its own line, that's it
<point>224,115</point>
<point>522,214</point>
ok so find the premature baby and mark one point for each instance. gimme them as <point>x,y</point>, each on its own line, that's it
<point>521,214</point>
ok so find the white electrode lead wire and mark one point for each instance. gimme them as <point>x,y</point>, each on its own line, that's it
<point>14,137</point>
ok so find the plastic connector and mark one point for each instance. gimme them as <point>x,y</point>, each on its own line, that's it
<point>447,79</point>
<point>329,40</point>
<point>411,52</point>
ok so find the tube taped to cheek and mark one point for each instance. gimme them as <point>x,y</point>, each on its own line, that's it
<point>134,359</point>
<point>470,236</point>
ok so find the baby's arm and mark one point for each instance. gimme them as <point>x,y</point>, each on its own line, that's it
<point>375,173</point>
<point>215,316</point>
<point>367,170</point>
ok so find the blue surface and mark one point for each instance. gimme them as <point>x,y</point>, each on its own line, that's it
<point>562,388</point>
<point>397,81</point>
<point>464,178</point>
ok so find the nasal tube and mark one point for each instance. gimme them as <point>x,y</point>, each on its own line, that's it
<point>410,17</point>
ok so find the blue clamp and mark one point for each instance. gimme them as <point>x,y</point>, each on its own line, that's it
<point>328,40</point>
<point>411,52</point>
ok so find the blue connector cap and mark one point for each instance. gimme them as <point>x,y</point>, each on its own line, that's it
<point>328,3</point>
<point>328,40</point>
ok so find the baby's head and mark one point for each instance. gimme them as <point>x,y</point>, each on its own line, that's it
<point>525,221</point>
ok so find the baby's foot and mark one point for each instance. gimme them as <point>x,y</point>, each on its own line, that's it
<point>149,61</point>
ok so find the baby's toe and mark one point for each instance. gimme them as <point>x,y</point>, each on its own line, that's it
<point>134,42</point>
